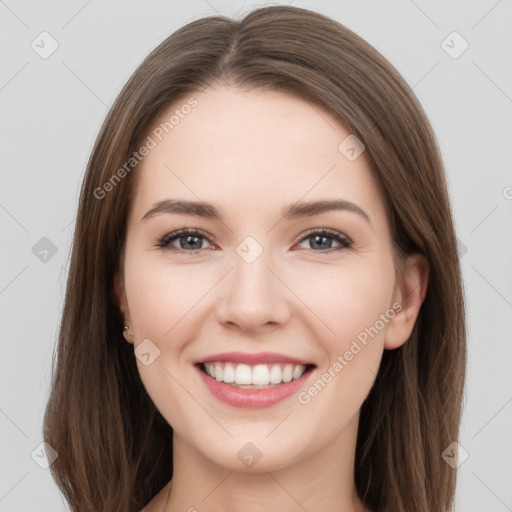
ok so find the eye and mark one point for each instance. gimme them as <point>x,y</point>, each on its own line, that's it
<point>188,240</point>
<point>191,241</point>
<point>321,240</point>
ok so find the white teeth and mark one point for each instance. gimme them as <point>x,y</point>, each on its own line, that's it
<point>297,372</point>
<point>243,374</point>
<point>260,375</point>
<point>287,373</point>
<point>275,374</point>
<point>257,375</point>
<point>229,373</point>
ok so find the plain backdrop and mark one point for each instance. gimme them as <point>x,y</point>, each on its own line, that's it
<point>52,107</point>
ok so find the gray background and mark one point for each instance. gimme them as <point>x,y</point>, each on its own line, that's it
<point>51,110</point>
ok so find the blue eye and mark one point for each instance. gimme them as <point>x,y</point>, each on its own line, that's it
<point>187,238</point>
<point>323,237</point>
<point>191,241</point>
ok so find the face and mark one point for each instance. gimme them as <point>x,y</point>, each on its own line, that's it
<point>260,295</point>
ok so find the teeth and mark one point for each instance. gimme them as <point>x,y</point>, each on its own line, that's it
<point>218,371</point>
<point>242,374</point>
<point>260,375</point>
<point>229,373</point>
<point>297,372</point>
<point>254,375</point>
<point>287,373</point>
<point>275,374</point>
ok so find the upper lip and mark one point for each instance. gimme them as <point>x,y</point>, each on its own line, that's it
<point>252,358</point>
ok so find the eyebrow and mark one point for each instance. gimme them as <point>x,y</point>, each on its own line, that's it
<point>293,211</point>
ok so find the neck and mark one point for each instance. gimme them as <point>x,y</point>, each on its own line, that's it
<point>318,482</point>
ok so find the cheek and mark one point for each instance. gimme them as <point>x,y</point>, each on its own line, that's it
<point>347,298</point>
<point>161,301</point>
<point>355,305</point>
<point>162,295</point>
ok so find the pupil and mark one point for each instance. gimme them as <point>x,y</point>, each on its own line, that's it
<point>322,239</point>
<point>191,237</point>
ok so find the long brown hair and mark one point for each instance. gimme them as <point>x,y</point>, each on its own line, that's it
<point>114,447</point>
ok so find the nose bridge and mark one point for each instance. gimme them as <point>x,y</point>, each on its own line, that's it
<point>254,296</point>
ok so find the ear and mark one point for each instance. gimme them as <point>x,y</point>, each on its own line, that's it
<point>410,294</point>
<point>122,301</point>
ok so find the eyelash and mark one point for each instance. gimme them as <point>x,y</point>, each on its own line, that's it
<point>344,242</point>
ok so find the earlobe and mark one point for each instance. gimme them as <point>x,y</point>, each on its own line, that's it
<point>410,294</point>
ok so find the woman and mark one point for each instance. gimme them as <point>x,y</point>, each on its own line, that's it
<point>265,219</point>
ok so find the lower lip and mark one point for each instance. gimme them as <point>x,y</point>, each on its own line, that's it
<point>252,398</point>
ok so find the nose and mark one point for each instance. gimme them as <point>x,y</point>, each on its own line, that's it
<point>253,297</point>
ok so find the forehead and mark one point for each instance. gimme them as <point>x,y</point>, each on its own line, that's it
<point>250,122</point>
<point>243,148</point>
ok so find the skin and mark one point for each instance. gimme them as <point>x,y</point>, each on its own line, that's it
<point>250,153</point>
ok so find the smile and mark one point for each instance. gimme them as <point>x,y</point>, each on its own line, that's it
<point>260,376</point>
<point>253,380</point>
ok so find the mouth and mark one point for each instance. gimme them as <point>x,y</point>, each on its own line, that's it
<point>253,380</point>
<point>254,376</point>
